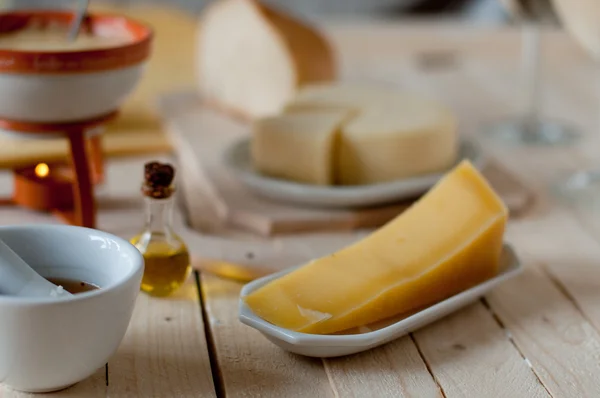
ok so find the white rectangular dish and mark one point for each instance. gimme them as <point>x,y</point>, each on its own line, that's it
<point>364,338</point>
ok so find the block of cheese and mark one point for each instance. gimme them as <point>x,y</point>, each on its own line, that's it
<point>393,134</point>
<point>299,147</point>
<point>406,137</point>
<point>251,58</point>
<point>448,241</point>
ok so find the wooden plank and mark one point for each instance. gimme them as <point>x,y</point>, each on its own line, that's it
<point>393,370</point>
<point>164,351</point>
<point>561,345</point>
<point>250,365</point>
<point>471,356</point>
<point>570,256</point>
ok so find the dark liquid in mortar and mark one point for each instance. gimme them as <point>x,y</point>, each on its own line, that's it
<point>73,286</point>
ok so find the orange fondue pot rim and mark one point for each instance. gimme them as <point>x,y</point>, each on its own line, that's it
<point>118,56</point>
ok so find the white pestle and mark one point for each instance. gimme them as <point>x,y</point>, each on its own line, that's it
<point>17,278</point>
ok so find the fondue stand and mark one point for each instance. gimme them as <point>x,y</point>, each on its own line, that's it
<point>71,90</point>
<point>66,191</point>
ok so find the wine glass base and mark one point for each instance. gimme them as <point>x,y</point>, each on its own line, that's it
<point>582,188</point>
<point>525,132</point>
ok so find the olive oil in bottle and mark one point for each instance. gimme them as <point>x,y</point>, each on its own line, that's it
<point>167,261</point>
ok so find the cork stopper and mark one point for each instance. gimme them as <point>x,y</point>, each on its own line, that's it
<point>158,180</point>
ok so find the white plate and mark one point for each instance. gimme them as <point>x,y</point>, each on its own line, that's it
<point>237,158</point>
<point>324,346</point>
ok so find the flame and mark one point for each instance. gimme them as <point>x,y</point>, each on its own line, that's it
<point>42,170</point>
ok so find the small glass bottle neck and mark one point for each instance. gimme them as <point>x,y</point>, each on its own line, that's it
<point>159,214</point>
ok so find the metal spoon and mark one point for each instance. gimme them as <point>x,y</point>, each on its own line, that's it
<point>76,24</point>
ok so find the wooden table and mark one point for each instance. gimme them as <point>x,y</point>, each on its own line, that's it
<point>534,336</point>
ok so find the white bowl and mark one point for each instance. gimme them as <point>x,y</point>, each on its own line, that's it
<point>324,346</point>
<point>65,98</point>
<point>49,344</point>
<point>50,86</point>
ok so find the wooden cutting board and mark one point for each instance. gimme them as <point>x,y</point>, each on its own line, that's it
<point>201,135</point>
<point>138,129</point>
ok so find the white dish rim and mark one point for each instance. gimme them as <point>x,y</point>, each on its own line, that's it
<point>126,247</point>
<point>355,196</point>
<point>247,316</point>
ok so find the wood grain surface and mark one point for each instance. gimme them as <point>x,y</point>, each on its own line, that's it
<point>476,361</point>
<point>164,350</point>
<point>534,336</point>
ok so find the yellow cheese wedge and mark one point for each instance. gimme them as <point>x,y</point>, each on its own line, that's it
<point>448,241</point>
<point>298,147</point>
<point>251,58</point>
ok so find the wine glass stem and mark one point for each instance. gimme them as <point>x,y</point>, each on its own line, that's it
<point>596,60</point>
<point>531,73</point>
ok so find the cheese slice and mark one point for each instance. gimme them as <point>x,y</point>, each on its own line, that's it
<point>407,137</point>
<point>448,241</point>
<point>251,58</point>
<point>299,147</point>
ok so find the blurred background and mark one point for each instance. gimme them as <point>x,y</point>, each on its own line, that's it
<point>485,11</point>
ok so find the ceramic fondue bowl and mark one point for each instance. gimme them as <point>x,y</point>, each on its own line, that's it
<point>48,344</point>
<point>55,86</point>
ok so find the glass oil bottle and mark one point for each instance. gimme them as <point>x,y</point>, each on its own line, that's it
<point>167,260</point>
